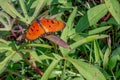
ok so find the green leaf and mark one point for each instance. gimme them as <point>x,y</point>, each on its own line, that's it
<point>39,45</point>
<point>88,71</point>
<point>23,7</point>
<point>4,41</point>
<point>40,5</point>
<point>98,30</point>
<point>86,40</point>
<point>16,58</point>
<point>82,24</point>
<point>49,70</point>
<point>114,8</point>
<point>97,52</point>
<point>5,47</point>
<point>44,57</point>
<point>57,56</point>
<point>67,30</point>
<point>14,11</point>
<point>91,18</point>
<point>4,63</point>
<point>69,25</point>
<point>114,58</point>
<point>96,13</point>
<point>33,54</point>
<point>6,21</point>
<point>6,9</point>
<point>106,57</point>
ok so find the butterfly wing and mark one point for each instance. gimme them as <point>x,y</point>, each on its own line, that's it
<point>50,25</point>
<point>34,31</point>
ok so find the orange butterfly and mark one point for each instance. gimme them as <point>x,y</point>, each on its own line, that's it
<point>43,26</point>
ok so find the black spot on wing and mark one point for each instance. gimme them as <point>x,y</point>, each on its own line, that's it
<point>47,20</point>
<point>52,21</point>
<point>49,26</point>
<point>37,30</point>
<point>31,29</point>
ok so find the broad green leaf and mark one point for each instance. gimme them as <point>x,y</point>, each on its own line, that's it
<point>82,24</point>
<point>88,71</point>
<point>96,13</point>
<point>114,8</point>
<point>86,40</point>
<point>49,70</point>
<point>91,18</point>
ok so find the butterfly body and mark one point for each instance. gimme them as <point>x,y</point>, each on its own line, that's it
<point>43,26</point>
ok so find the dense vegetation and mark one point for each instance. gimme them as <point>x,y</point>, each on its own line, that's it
<point>92,32</point>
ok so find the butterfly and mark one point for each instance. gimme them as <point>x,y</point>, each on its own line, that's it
<point>43,26</point>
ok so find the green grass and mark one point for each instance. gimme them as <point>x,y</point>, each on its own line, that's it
<point>92,32</point>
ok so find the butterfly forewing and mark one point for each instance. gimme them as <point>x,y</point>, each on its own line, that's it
<point>50,25</point>
<point>34,31</point>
